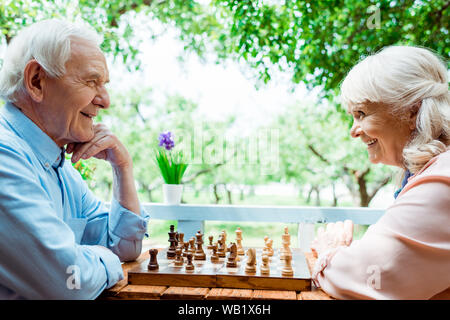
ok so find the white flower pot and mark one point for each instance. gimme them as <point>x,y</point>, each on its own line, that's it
<point>172,193</point>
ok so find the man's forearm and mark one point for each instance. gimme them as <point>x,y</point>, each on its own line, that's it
<point>124,189</point>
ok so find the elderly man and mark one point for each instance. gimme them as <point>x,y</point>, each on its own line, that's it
<point>57,241</point>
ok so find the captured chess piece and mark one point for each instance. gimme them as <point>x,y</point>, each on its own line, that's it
<point>173,242</point>
<point>251,261</point>
<point>199,253</point>
<point>287,270</point>
<point>240,249</point>
<point>231,262</point>
<point>265,269</point>
<point>153,264</point>
<point>189,264</point>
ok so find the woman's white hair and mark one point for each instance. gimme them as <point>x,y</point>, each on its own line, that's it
<point>405,79</point>
<point>48,42</point>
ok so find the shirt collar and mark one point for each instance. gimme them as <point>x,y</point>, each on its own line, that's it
<point>46,150</point>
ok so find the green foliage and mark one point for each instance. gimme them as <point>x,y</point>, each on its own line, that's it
<point>171,165</point>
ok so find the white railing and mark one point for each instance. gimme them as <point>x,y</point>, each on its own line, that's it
<point>191,218</point>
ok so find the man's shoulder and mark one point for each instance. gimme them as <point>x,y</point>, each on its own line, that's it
<point>9,140</point>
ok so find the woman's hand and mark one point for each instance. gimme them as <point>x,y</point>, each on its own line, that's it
<point>335,235</point>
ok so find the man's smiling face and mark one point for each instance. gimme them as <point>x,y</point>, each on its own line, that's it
<point>71,101</point>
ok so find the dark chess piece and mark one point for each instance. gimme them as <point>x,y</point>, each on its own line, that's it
<point>231,262</point>
<point>189,265</point>
<point>173,243</point>
<point>199,253</point>
<point>153,264</point>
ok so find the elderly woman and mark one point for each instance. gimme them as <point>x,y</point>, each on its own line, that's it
<point>400,104</point>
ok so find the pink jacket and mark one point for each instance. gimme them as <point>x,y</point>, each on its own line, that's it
<point>406,254</point>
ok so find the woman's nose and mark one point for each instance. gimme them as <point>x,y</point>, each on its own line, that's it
<point>356,130</point>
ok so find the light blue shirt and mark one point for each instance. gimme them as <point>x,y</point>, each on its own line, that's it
<point>50,222</point>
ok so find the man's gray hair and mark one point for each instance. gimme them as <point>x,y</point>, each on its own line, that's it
<point>48,42</point>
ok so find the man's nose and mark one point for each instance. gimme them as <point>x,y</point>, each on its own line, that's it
<point>356,130</point>
<point>102,98</point>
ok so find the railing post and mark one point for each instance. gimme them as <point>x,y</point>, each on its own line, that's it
<point>305,236</point>
<point>190,228</point>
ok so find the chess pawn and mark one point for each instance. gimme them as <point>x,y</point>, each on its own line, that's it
<point>192,245</point>
<point>181,239</point>
<point>189,264</point>
<point>265,269</point>
<point>185,249</point>
<point>251,261</point>
<point>179,261</point>
<point>214,256</point>
<point>287,270</point>
<point>211,245</point>
<point>153,264</point>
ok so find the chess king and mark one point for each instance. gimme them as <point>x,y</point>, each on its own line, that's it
<point>53,80</point>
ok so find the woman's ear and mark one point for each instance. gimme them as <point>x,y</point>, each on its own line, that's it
<point>413,115</point>
<point>34,78</point>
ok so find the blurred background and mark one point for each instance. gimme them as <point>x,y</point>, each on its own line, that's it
<point>250,90</point>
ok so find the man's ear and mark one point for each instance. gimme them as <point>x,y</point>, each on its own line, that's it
<point>34,78</point>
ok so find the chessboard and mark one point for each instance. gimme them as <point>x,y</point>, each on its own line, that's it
<point>172,267</point>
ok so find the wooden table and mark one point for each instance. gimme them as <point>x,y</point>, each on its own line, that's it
<point>124,291</point>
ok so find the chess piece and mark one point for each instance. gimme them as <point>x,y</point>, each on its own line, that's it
<point>251,261</point>
<point>153,264</point>
<point>192,245</point>
<point>224,235</point>
<point>214,256</point>
<point>265,269</point>
<point>181,239</point>
<point>287,270</point>
<point>199,253</point>
<point>285,241</point>
<point>211,245</point>
<point>189,265</point>
<point>240,249</point>
<point>231,262</point>
<point>269,245</point>
<point>179,261</point>
<point>186,249</point>
<point>221,247</point>
<point>173,243</point>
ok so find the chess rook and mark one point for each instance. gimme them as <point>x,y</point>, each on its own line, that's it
<point>153,264</point>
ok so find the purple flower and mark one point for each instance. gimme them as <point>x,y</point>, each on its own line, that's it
<point>166,140</point>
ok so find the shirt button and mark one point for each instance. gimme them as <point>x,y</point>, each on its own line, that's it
<point>47,165</point>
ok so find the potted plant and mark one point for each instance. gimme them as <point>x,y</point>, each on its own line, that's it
<point>172,167</point>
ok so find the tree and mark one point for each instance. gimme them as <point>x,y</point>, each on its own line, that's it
<point>316,41</point>
<point>316,151</point>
